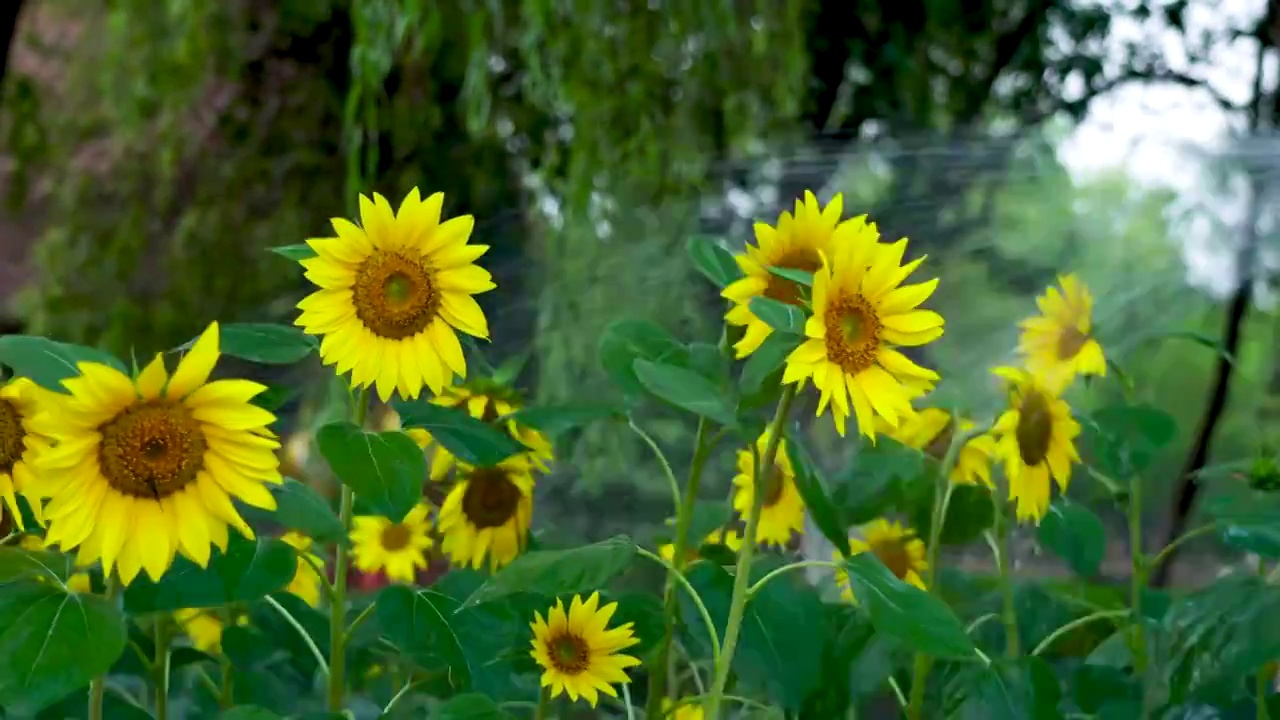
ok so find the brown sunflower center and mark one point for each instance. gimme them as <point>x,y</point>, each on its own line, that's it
<point>1070,342</point>
<point>853,333</point>
<point>490,412</point>
<point>152,450</point>
<point>1035,428</point>
<point>788,291</point>
<point>938,446</point>
<point>395,294</point>
<point>774,483</point>
<point>893,553</point>
<point>491,498</point>
<point>11,435</point>
<point>395,536</point>
<point>569,654</point>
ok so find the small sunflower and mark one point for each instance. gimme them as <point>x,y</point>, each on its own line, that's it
<point>204,628</point>
<point>306,581</point>
<point>931,430</point>
<point>489,403</point>
<point>1036,440</point>
<point>898,547</point>
<point>77,583</point>
<point>860,311</point>
<point>685,710</point>
<point>579,654</point>
<point>796,243</point>
<point>729,538</point>
<point>783,510</point>
<point>147,467</point>
<point>397,549</point>
<point>19,443</point>
<point>392,294</point>
<point>1058,344</point>
<point>487,514</point>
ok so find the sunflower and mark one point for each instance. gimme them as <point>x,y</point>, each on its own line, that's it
<point>306,581</point>
<point>1058,344</point>
<point>931,430</point>
<point>729,538</point>
<point>19,443</point>
<point>77,583</point>
<point>397,549</point>
<point>783,510</point>
<point>490,403</point>
<point>487,513</point>
<point>205,627</point>
<point>797,243</point>
<point>686,710</point>
<point>146,467</point>
<point>1036,440</point>
<point>860,311</point>
<point>898,547</point>
<point>393,293</point>
<point>579,654</point>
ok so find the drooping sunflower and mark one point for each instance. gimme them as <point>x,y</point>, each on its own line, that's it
<point>144,468</point>
<point>729,538</point>
<point>579,653</point>
<point>306,580</point>
<point>897,546</point>
<point>397,549</point>
<point>861,311</point>
<point>77,583</point>
<point>19,443</point>
<point>685,710</point>
<point>783,510</point>
<point>489,402</point>
<point>1036,439</point>
<point>393,293</point>
<point>487,514</point>
<point>931,431</point>
<point>1058,344</point>
<point>797,243</point>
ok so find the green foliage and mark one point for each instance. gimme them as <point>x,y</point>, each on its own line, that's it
<point>385,469</point>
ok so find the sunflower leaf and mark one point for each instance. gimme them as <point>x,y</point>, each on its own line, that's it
<point>558,572</point>
<point>419,619</point>
<point>47,362</point>
<point>300,508</point>
<point>625,341</point>
<point>472,441</point>
<point>796,276</point>
<point>17,564</point>
<point>386,469</point>
<point>778,315</point>
<point>247,571</point>
<point>263,343</point>
<point>554,420</point>
<point>814,493</point>
<point>1128,437</point>
<point>1073,533</point>
<point>713,259</point>
<point>906,612</point>
<point>766,361</point>
<point>471,706</point>
<point>301,251</point>
<point>688,390</point>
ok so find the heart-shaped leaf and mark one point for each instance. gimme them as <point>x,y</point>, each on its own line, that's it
<point>46,362</point>
<point>906,612</point>
<point>247,571</point>
<point>470,440</point>
<point>385,469</point>
<point>558,572</point>
<point>688,390</point>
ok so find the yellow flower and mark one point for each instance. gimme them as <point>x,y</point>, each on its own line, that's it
<point>77,583</point>
<point>1058,344</point>
<point>204,627</point>
<point>783,510</point>
<point>729,538</point>
<point>686,710</point>
<point>931,430</point>
<point>306,581</point>
<point>860,311</point>
<point>895,545</point>
<point>392,294</point>
<point>19,443</point>
<point>1036,440</point>
<point>487,513</point>
<point>797,243</point>
<point>397,549</point>
<point>486,402</point>
<point>147,467</point>
<point>578,652</point>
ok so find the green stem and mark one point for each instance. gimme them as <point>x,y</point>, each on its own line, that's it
<point>1177,543</point>
<point>1000,547</point>
<point>544,703</point>
<point>226,693</point>
<point>705,614</point>
<point>738,601</point>
<point>670,604</point>
<point>160,667</point>
<point>1137,581</point>
<point>98,686</point>
<point>338,599</point>
<point>799,565</point>
<point>302,632</point>
<point>1077,623</point>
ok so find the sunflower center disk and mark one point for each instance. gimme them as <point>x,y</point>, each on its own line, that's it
<point>853,333</point>
<point>11,435</point>
<point>569,654</point>
<point>941,443</point>
<point>1035,428</point>
<point>395,537</point>
<point>788,291</point>
<point>152,450</point>
<point>491,498</point>
<point>1070,342</point>
<point>894,555</point>
<point>395,295</point>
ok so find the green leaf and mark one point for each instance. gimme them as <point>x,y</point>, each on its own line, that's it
<point>385,469</point>
<point>644,612</point>
<point>554,420</point>
<point>264,343</point>
<point>19,564</point>
<point>766,361</point>
<point>1075,534</point>
<point>53,643</point>
<point>686,389</point>
<point>778,315</point>
<point>471,706</point>
<point>247,571</point>
<point>707,360</point>
<point>301,251</point>
<point>301,508</point>
<point>1219,635</point>
<point>876,481</point>
<point>418,619</point>
<point>47,362</point>
<point>801,277</point>
<point>1250,519</point>
<point>970,511</point>
<point>713,260</point>
<point>470,440</point>
<point>625,341</point>
<point>274,397</point>
<point>558,572</point>
<point>708,517</point>
<point>1129,436</point>
<point>1025,689</point>
<point>814,493</point>
<point>249,712</point>
<point>906,612</point>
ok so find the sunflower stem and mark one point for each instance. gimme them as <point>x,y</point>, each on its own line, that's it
<point>1000,547</point>
<point>1137,582</point>
<point>670,604</point>
<point>160,667</point>
<point>338,600</point>
<point>741,580</point>
<point>227,690</point>
<point>98,686</point>
<point>544,702</point>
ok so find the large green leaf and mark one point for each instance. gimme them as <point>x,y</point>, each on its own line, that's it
<point>265,343</point>
<point>559,572</point>
<point>18,564</point>
<point>814,493</point>
<point>471,706</point>
<point>1025,689</point>
<point>247,571</point>
<point>385,469</point>
<point>1075,534</point>
<point>1129,436</point>
<point>877,480</point>
<point>904,611</point>
<point>53,642</point>
<point>688,390</point>
<point>470,440</point>
<point>713,259</point>
<point>780,316</point>
<point>1250,519</point>
<point>419,621</point>
<point>625,341</point>
<point>47,362</point>
<point>300,508</point>
<point>766,361</point>
<point>248,712</point>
